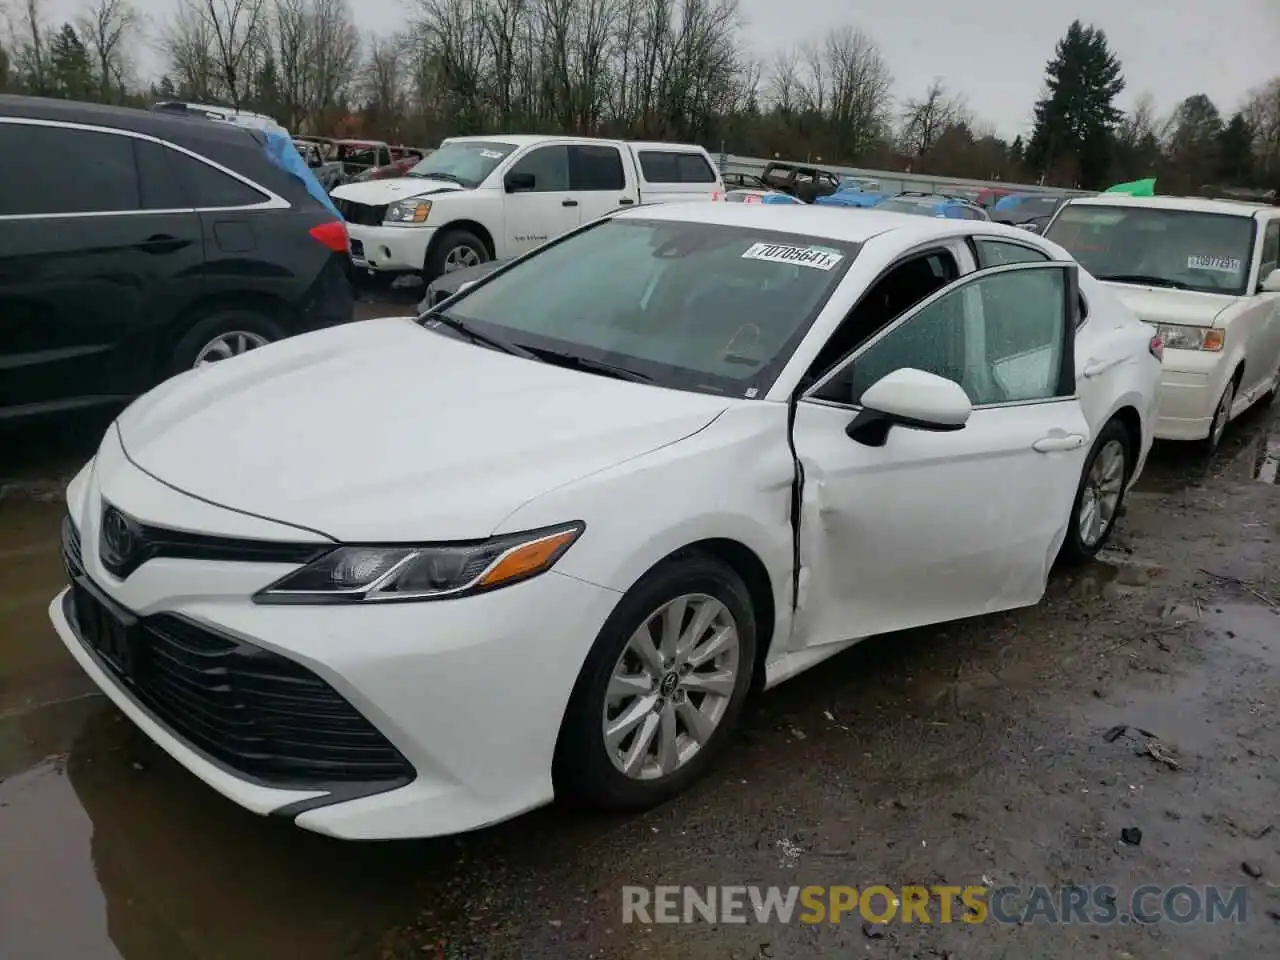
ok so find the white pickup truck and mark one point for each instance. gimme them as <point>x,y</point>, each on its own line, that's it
<point>482,198</point>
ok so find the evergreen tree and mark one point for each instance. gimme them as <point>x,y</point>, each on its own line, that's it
<point>1235,151</point>
<point>72,74</point>
<point>1076,118</point>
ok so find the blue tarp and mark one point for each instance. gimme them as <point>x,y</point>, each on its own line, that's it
<point>1009,202</point>
<point>285,155</point>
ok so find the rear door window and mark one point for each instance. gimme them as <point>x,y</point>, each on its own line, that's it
<point>76,171</point>
<point>595,168</point>
<point>673,166</point>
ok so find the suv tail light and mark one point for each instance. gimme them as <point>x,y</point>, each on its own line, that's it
<point>1156,347</point>
<point>332,234</point>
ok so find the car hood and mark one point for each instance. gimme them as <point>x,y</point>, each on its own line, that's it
<point>1156,305</point>
<point>385,431</point>
<point>374,192</point>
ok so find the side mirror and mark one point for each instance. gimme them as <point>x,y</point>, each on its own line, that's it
<point>1272,282</point>
<point>909,398</point>
<point>519,182</point>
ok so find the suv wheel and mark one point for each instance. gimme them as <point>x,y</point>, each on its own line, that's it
<point>222,335</point>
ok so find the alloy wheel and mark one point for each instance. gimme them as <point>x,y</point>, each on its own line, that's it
<point>461,257</point>
<point>1222,416</point>
<point>1103,486</point>
<point>227,345</point>
<point>671,686</point>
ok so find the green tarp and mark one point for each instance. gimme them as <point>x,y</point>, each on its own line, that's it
<point>1136,188</point>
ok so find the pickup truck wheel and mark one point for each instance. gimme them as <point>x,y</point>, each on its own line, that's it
<point>457,250</point>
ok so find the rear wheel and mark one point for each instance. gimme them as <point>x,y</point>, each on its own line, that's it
<point>222,335</point>
<point>661,689</point>
<point>1100,494</point>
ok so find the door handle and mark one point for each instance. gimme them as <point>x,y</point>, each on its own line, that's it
<point>162,243</point>
<point>568,203</point>
<point>1070,441</point>
<point>1095,367</point>
<point>625,202</point>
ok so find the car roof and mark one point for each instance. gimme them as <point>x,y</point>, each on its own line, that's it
<point>829,223</point>
<point>1235,208</point>
<point>187,129</point>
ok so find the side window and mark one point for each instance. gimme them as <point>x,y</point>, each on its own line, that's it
<point>1000,337</point>
<point>905,285</point>
<point>159,186</point>
<point>210,188</point>
<point>63,180</point>
<point>1270,250</point>
<point>670,166</point>
<point>996,253</point>
<point>595,168</point>
<point>549,167</point>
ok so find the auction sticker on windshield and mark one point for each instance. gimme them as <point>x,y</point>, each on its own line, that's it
<point>820,258</point>
<point>1217,264</point>
<point>491,154</point>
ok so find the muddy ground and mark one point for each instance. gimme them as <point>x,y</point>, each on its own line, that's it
<point>975,753</point>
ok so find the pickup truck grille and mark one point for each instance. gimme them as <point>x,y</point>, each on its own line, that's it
<point>361,214</point>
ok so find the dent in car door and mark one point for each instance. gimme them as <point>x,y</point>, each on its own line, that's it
<point>933,526</point>
<point>535,216</point>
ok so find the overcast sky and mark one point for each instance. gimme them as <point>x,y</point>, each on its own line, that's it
<point>992,51</point>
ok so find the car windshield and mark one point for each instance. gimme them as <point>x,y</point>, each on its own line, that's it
<point>1187,250</point>
<point>694,306</point>
<point>926,206</point>
<point>467,162</point>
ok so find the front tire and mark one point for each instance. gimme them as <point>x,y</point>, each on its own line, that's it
<point>1221,417</point>
<point>1100,494</point>
<point>456,250</point>
<point>661,689</point>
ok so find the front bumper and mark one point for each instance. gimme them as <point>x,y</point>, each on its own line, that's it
<point>470,692</point>
<point>1190,386</point>
<point>389,249</point>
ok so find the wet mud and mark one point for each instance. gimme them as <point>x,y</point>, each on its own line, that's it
<point>983,752</point>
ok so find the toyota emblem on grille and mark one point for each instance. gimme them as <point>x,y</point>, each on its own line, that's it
<point>119,541</point>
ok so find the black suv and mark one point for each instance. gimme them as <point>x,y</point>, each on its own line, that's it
<point>135,245</point>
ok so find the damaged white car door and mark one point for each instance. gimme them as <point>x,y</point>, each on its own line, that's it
<point>943,503</point>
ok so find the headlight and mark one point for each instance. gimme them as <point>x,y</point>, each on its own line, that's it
<point>366,574</point>
<point>1178,337</point>
<point>407,211</point>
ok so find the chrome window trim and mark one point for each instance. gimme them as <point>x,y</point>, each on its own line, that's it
<point>965,279</point>
<point>272,202</point>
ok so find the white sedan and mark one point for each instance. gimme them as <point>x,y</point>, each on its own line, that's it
<point>417,575</point>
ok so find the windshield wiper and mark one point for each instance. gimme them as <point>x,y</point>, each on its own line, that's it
<point>1142,278</point>
<point>462,327</point>
<point>587,364</point>
<point>441,175</point>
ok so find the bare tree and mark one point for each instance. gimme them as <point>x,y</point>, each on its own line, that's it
<point>383,81</point>
<point>924,120</point>
<point>1262,111</point>
<point>31,55</point>
<point>785,82</point>
<point>189,46</point>
<point>861,90</point>
<point>235,26</point>
<point>106,26</point>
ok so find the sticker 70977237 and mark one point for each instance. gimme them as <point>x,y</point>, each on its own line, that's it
<point>820,258</point>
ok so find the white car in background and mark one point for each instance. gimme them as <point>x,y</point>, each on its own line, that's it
<point>1204,273</point>
<point>686,450</point>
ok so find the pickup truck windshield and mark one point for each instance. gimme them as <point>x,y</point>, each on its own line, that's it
<point>467,162</point>
<point>1182,249</point>
<point>693,306</point>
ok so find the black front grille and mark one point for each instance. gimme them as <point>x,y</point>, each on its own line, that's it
<point>361,214</point>
<point>259,714</point>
